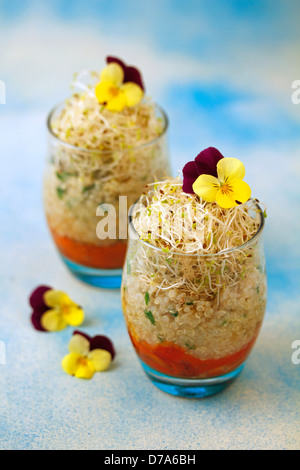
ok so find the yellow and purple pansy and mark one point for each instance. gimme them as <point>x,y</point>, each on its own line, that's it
<point>216,179</point>
<point>88,355</point>
<point>120,85</point>
<point>53,310</point>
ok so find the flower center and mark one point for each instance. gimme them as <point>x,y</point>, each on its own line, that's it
<point>65,310</point>
<point>114,91</point>
<point>82,361</point>
<point>225,188</point>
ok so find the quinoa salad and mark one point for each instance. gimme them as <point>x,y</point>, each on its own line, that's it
<point>97,154</point>
<point>194,287</point>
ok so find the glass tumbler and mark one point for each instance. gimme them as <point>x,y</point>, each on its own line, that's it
<point>193,320</point>
<point>77,181</point>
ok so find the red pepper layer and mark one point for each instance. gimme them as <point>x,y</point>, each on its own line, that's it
<point>170,359</point>
<point>93,256</point>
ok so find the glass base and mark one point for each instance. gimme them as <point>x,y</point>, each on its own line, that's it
<point>191,388</point>
<point>105,278</point>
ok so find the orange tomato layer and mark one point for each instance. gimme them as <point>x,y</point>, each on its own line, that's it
<point>93,256</point>
<point>170,359</point>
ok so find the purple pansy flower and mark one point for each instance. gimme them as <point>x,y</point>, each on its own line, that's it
<point>38,305</point>
<point>205,163</point>
<point>98,342</point>
<point>131,74</point>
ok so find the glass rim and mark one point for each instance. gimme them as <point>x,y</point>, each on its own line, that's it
<point>245,245</point>
<point>102,152</point>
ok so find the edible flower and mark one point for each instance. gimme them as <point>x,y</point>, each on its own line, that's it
<point>131,74</point>
<point>53,310</point>
<point>120,85</point>
<point>88,355</point>
<point>216,179</point>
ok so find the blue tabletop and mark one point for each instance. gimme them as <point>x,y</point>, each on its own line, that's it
<point>224,73</point>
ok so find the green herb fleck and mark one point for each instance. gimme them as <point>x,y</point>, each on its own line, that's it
<point>60,192</point>
<point>88,188</point>
<point>223,323</point>
<point>190,346</point>
<point>190,303</point>
<point>265,214</point>
<point>63,175</point>
<point>147,298</point>
<point>174,314</point>
<point>149,315</point>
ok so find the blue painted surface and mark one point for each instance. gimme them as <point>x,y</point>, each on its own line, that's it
<point>223,71</point>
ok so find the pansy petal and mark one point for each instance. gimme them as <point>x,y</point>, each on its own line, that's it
<point>190,174</point>
<point>52,320</point>
<point>100,359</point>
<point>132,74</point>
<point>110,59</point>
<point>207,160</point>
<point>57,298</point>
<point>78,332</point>
<point>239,193</point>
<point>36,298</point>
<point>133,93</point>
<point>225,199</point>
<point>36,320</point>
<point>70,363</point>
<point>105,91</point>
<point>78,366</point>
<point>103,342</point>
<point>73,316</point>
<point>117,102</point>
<point>79,344</point>
<point>85,370</point>
<point>113,73</point>
<point>206,186</point>
<point>230,169</point>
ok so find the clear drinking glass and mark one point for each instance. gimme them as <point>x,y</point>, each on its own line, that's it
<point>194,331</point>
<point>78,180</point>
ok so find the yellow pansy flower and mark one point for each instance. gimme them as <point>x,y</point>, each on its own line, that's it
<point>227,189</point>
<point>113,93</point>
<point>53,310</point>
<point>83,362</point>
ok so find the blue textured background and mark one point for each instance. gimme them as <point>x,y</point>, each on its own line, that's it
<point>223,71</point>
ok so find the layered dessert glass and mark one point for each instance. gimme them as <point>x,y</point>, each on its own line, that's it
<point>98,151</point>
<point>194,288</point>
